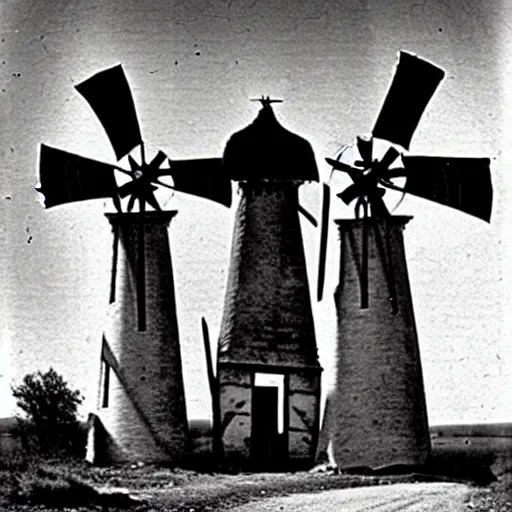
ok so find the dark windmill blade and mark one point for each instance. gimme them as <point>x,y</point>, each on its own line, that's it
<point>133,164</point>
<point>140,191</point>
<point>66,177</point>
<point>365,148</point>
<point>131,203</point>
<point>341,166</point>
<point>151,199</point>
<point>156,162</point>
<point>202,177</point>
<point>363,183</point>
<point>324,235</point>
<point>142,178</point>
<point>412,87</point>
<point>358,189</point>
<point>387,160</point>
<point>461,183</point>
<point>109,95</point>
<point>129,188</point>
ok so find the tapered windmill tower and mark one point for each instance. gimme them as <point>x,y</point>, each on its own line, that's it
<point>267,366</point>
<point>141,410</point>
<point>377,414</point>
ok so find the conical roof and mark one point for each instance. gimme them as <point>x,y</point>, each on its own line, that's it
<point>265,150</point>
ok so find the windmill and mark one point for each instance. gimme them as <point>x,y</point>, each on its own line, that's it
<point>142,406</point>
<point>377,413</point>
<point>268,374</point>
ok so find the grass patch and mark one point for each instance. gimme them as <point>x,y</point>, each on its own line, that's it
<point>497,496</point>
<point>50,487</point>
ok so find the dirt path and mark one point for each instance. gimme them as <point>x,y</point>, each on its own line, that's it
<point>431,497</point>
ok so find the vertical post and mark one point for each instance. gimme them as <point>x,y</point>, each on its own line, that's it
<point>106,384</point>
<point>114,264</point>
<point>214,391</point>
<point>141,271</point>
<point>286,417</point>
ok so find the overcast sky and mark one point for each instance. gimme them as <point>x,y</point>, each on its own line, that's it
<point>193,66</point>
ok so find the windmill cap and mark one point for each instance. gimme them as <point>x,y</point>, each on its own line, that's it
<point>265,150</point>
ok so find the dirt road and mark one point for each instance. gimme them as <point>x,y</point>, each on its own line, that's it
<point>432,497</point>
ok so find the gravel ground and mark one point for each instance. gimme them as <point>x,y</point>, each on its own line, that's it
<point>432,497</point>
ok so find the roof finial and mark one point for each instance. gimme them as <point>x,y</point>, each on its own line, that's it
<point>266,101</point>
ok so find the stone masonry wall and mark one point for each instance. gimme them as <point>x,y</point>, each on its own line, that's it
<point>235,404</point>
<point>303,403</point>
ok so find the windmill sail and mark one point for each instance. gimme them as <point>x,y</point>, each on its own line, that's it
<point>109,95</point>
<point>413,85</point>
<point>203,178</point>
<point>461,183</point>
<point>66,177</point>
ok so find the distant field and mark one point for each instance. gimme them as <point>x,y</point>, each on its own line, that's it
<point>464,447</point>
<point>7,425</point>
<point>473,430</point>
<point>472,446</point>
<point>203,427</point>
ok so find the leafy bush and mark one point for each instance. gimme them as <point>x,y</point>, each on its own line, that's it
<point>51,425</point>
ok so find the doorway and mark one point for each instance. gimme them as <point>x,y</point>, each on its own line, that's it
<point>268,432</point>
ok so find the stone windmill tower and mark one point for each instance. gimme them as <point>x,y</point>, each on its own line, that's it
<point>268,372</point>
<point>377,414</point>
<point>141,410</point>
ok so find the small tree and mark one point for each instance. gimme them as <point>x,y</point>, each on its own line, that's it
<point>50,407</point>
